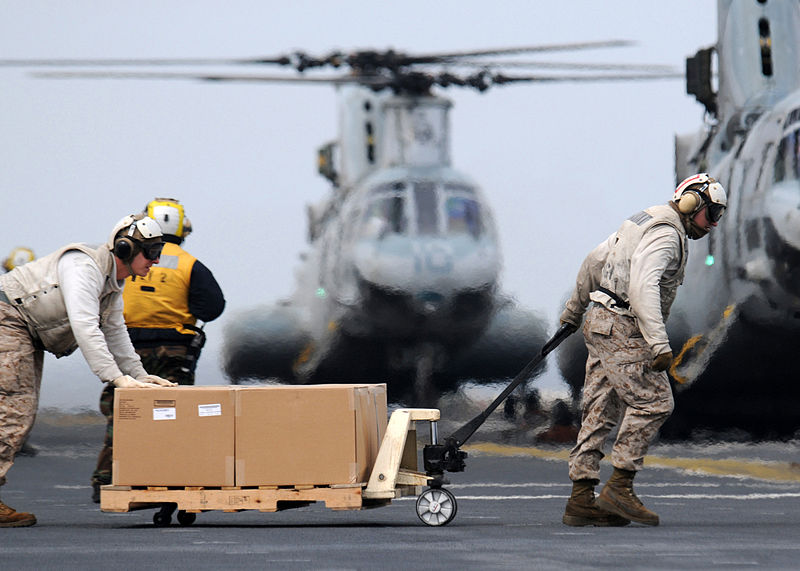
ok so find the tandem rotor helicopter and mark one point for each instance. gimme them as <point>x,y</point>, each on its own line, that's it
<point>735,324</point>
<point>401,281</point>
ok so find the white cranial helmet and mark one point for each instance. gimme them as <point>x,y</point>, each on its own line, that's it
<point>701,190</point>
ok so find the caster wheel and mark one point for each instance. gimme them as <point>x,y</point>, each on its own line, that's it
<point>186,518</point>
<point>161,519</point>
<point>436,506</point>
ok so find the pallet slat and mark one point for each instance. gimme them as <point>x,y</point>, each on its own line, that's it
<point>124,498</point>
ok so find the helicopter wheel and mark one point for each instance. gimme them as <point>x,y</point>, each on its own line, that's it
<point>436,506</point>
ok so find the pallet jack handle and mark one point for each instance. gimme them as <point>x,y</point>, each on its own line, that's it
<point>460,436</point>
<point>448,456</point>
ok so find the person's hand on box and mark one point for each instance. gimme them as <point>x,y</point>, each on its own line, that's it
<point>156,380</point>
<point>128,382</point>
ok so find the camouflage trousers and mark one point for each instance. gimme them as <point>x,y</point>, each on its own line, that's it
<point>20,381</point>
<point>169,362</point>
<point>620,389</point>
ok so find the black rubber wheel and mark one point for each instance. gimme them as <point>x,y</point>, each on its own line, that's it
<point>185,518</point>
<point>161,519</point>
<point>436,506</point>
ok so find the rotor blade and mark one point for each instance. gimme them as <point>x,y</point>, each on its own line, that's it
<point>301,61</point>
<point>646,68</point>
<point>524,50</point>
<point>375,81</point>
<point>501,79</point>
<point>283,60</point>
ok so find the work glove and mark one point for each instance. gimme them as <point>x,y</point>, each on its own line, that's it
<point>662,362</point>
<point>156,380</point>
<point>571,327</point>
<point>128,382</point>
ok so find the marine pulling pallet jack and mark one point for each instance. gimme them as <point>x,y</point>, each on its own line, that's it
<point>437,505</point>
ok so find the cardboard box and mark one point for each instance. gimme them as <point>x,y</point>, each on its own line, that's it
<point>174,436</point>
<point>308,435</point>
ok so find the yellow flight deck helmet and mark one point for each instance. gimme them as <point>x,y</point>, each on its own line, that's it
<point>18,256</point>
<point>169,214</point>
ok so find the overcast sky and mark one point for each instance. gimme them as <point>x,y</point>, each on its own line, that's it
<point>562,165</point>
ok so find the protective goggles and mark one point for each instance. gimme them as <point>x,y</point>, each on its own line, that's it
<point>152,250</point>
<point>714,211</point>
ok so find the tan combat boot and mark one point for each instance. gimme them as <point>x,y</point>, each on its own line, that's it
<point>582,509</point>
<point>9,517</point>
<point>617,497</point>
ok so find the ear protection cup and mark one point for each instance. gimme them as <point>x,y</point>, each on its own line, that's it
<point>125,246</point>
<point>688,202</point>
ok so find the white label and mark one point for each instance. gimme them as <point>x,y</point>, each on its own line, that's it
<point>164,413</point>
<point>209,410</point>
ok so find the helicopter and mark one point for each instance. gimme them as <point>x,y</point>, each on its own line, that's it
<point>401,280</point>
<point>735,322</point>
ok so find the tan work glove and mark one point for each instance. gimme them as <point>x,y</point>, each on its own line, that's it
<point>156,380</point>
<point>128,382</point>
<point>662,362</point>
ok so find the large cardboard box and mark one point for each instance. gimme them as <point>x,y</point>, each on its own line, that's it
<point>174,436</point>
<point>308,435</point>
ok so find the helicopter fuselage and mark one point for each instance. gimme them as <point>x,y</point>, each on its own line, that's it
<point>401,281</point>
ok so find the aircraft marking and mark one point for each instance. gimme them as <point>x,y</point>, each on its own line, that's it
<point>760,469</point>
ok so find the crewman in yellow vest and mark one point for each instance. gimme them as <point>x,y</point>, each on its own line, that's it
<point>162,311</point>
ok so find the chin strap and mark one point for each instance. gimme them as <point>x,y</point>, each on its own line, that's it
<point>694,230</point>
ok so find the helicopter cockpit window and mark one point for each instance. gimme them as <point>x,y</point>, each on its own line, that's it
<point>463,216</point>
<point>463,211</point>
<point>427,208</point>
<point>787,159</point>
<point>385,214</point>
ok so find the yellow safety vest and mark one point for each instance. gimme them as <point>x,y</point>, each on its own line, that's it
<point>160,300</point>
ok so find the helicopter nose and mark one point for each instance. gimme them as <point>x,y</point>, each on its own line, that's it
<point>783,210</point>
<point>782,238</point>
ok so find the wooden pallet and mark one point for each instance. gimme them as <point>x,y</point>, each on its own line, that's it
<point>390,479</point>
<point>231,499</point>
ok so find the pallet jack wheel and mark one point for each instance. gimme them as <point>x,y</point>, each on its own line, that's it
<point>163,517</point>
<point>185,518</point>
<point>436,506</point>
<point>160,519</point>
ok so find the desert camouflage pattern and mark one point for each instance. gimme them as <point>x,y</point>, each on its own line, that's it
<point>620,389</point>
<point>20,381</point>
